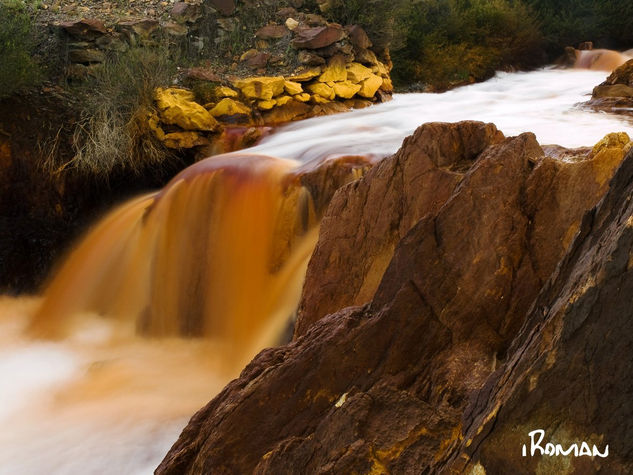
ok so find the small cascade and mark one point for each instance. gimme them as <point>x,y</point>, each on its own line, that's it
<point>219,253</point>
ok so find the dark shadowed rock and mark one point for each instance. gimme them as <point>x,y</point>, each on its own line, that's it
<point>225,7</point>
<point>382,387</point>
<point>143,29</point>
<point>569,371</point>
<point>185,13</point>
<point>86,56</point>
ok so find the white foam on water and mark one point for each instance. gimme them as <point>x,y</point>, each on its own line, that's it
<point>543,102</point>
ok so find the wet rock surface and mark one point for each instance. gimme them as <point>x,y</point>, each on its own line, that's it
<point>569,370</point>
<point>615,94</point>
<point>402,382</point>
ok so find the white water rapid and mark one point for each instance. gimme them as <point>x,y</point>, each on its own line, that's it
<point>97,402</point>
<point>543,102</point>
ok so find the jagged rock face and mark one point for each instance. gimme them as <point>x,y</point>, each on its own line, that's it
<point>355,248</point>
<point>400,192</point>
<point>570,368</point>
<point>382,387</point>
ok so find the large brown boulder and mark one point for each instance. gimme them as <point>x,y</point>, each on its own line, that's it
<point>382,387</point>
<point>569,371</point>
<point>354,249</point>
<point>401,191</point>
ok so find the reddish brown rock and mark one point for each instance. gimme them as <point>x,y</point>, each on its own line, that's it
<point>85,30</point>
<point>185,12</point>
<point>414,188</point>
<point>358,37</point>
<point>318,37</point>
<point>202,74</point>
<point>271,32</point>
<point>309,58</point>
<point>225,7</point>
<point>255,59</point>
<point>382,388</point>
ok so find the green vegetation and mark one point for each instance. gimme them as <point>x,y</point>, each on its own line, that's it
<point>569,22</point>
<point>18,69</point>
<point>113,132</point>
<point>446,42</point>
<point>455,41</point>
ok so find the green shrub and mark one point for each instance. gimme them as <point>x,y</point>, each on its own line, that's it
<point>450,42</point>
<point>383,20</point>
<point>569,22</point>
<point>17,67</point>
<point>113,132</point>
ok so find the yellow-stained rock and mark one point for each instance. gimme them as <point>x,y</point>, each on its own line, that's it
<point>177,107</point>
<point>320,89</point>
<point>306,74</point>
<point>221,92</point>
<point>266,105</point>
<point>316,99</point>
<point>303,97</point>
<point>387,85</point>
<point>614,139</point>
<point>184,140</point>
<point>335,70</point>
<point>607,154</point>
<point>356,72</point>
<point>370,85</point>
<point>346,89</point>
<point>292,87</point>
<point>282,100</point>
<point>228,106</point>
<point>154,125</point>
<point>264,88</point>
<point>380,69</point>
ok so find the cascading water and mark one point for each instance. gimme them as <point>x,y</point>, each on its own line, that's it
<point>217,256</point>
<point>219,253</point>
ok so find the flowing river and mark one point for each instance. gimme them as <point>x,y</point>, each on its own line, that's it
<point>96,398</point>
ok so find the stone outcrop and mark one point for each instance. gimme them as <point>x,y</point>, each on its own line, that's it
<point>334,70</point>
<point>335,87</point>
<point>569,369</point>
<point>383,387</point>
<point>615,94</point>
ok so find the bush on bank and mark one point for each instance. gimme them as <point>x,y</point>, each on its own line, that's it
<point>17,67</point>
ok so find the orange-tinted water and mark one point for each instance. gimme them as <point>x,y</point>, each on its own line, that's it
<point>219,253</point>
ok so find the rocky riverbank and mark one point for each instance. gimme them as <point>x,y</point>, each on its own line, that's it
<point>146,88</point>
<point>428,318</point>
